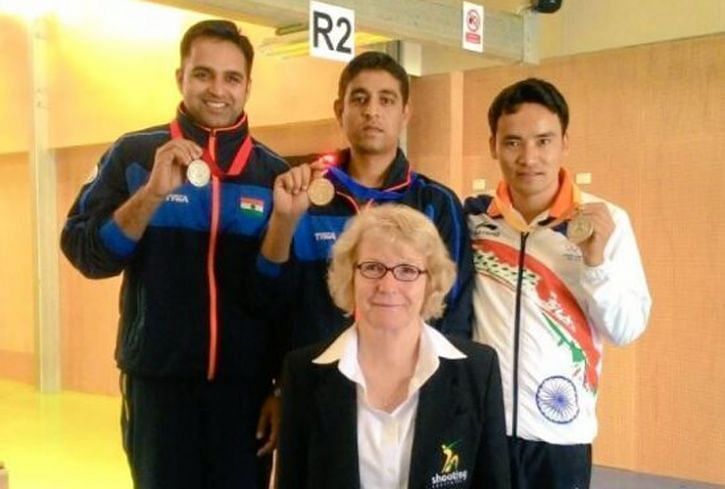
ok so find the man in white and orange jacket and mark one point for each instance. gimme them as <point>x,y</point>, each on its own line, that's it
<point>557,272</point>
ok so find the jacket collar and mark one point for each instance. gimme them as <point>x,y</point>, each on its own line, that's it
<point>344,349</point>
<point>227,140</point>
<point>566,197</point>
<point>398,179</point>
<point>433,345</point>
<point>566,201</point>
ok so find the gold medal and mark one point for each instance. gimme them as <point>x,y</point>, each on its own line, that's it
<point>321,192</point>
<point>198,173</point>
<point>579,228</point>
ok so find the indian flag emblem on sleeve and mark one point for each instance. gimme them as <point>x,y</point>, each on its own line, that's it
<point>251,206</point>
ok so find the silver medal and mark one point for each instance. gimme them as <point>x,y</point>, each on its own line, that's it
<point>198,173</point>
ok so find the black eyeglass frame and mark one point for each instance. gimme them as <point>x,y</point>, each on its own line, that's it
<point>398,267</point>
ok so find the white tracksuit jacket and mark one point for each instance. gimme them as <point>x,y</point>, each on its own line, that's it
<point>546,314</point>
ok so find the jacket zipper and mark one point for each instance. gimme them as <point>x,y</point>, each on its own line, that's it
<point>517,337</point>
<point>210,264</point>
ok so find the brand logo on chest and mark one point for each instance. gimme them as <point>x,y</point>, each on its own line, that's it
<point>325,236</point>
<point>486,228</point>
<point>177,198</point>
<point>572,252</point>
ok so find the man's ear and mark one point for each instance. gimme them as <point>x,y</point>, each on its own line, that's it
<point>248,91</point>
<point>407,113</point>
<point>179,78</point>
<point>492,147</point>
<point>337,107</point>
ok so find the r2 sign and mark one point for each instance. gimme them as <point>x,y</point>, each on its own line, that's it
<point>332,32</point>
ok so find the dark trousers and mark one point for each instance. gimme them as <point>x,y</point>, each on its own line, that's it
<point>540,465</point>
<point>192,434</point>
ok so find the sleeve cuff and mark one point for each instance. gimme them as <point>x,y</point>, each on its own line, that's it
<point>268,268</point>
<point>117,243</point>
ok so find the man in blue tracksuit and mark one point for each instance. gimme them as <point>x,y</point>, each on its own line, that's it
<point>196,345</point>
<point>372,109</point>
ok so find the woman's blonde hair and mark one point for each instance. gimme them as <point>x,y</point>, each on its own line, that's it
<point>392,224</point>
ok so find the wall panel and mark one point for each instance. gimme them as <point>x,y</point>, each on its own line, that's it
<point>17,302</point>
<point>15,87</point>
<point>88,308</point>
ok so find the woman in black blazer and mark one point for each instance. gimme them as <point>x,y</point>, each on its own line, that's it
<point>391,402</point>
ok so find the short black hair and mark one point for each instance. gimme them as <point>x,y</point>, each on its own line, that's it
<point>532,91</point>
<point>374,60</point>
<point>223,30</point>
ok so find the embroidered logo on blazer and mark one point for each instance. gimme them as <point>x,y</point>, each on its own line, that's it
<point>449,474</point>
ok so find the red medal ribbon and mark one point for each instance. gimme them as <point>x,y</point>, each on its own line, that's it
<point>209,153</point>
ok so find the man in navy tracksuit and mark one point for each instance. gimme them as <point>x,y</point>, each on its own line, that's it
<point>195,346</point>
<point>372,109</point>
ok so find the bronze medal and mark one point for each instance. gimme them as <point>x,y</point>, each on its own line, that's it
<point>321,192</point>
<point>579,229</point>
<point>198,173</point>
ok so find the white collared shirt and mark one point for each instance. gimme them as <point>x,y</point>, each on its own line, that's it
<point>385,440</point>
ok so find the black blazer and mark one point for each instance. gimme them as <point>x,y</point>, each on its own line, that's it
<point>461,403</point>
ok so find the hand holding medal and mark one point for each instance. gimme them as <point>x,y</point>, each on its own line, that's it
<point>292,194</point>
<point>303,185</point>
<point>590,229</point>
<point>175,162</point>
<point>321,191</point>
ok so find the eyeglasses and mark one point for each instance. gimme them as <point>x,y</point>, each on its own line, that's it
<point>402,272</point>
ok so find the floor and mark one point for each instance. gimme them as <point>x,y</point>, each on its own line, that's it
<point>72,441</point>
<point>605,478</point>
<point>60,441</point>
